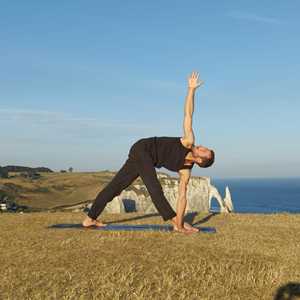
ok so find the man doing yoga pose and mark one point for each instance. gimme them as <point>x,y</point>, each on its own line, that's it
<point>177,154</point>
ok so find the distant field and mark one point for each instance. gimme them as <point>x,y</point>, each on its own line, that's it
<point>56,189</point>
<point>250,257</point>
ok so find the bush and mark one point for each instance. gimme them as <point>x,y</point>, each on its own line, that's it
<point>3,173</point>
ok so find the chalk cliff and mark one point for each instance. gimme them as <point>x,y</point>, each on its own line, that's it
<point>200,192</point>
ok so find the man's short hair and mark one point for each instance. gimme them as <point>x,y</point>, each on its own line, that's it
<point>207,162</point>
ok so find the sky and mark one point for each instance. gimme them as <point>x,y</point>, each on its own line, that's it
<point>81,81</point>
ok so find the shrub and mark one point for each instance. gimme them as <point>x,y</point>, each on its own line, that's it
<point>3,173</point>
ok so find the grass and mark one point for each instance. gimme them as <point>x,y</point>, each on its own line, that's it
<point>57,189</point>
<point>250,257</point>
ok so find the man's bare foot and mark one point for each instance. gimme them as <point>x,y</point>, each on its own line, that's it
<point>190,227</point>
<point>88,222</point>
<point>182,230</point>
<point>178,228</point>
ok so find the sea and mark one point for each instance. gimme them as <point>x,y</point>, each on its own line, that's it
<point>260,195</point>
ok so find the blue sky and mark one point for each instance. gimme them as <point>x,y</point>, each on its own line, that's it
<point>81,81</point>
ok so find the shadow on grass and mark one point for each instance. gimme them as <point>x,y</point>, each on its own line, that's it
<point>189,217</point>
<point>206,219</point>
<point>288,291</point>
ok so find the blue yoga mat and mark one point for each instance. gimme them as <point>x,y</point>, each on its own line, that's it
<point>129,227</point>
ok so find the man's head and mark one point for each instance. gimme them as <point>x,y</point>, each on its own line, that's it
<point>203,156</point>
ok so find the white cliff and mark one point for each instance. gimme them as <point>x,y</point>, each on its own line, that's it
<point>214,193</point>
<point>200,192</point>
<point>227,200</point>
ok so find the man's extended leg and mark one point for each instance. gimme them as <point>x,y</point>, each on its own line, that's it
<point>146,171</point>
<point>125,176</point>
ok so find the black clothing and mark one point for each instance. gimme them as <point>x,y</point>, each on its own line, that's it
<point>143,157</point>
<point>165,151</point>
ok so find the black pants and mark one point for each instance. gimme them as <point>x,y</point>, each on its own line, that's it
<point>139,163</point>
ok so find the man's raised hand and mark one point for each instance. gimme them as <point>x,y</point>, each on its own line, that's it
<point>194,81</point>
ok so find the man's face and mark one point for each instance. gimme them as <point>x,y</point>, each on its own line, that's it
<point>201,151</point>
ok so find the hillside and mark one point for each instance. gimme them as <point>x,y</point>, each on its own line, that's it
<point>25,169</point>
<point>56,189</point>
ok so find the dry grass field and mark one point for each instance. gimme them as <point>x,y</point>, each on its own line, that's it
<point>249,257</point>
<point>57,189</point>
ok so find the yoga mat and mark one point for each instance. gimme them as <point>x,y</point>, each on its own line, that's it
<point>130,227</point>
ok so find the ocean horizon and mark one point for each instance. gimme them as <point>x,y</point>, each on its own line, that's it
<point>260,194</point>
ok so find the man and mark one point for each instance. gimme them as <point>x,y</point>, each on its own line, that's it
<point>177,154</point>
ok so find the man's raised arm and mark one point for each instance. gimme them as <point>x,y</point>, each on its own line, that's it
<point>193,84</point>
